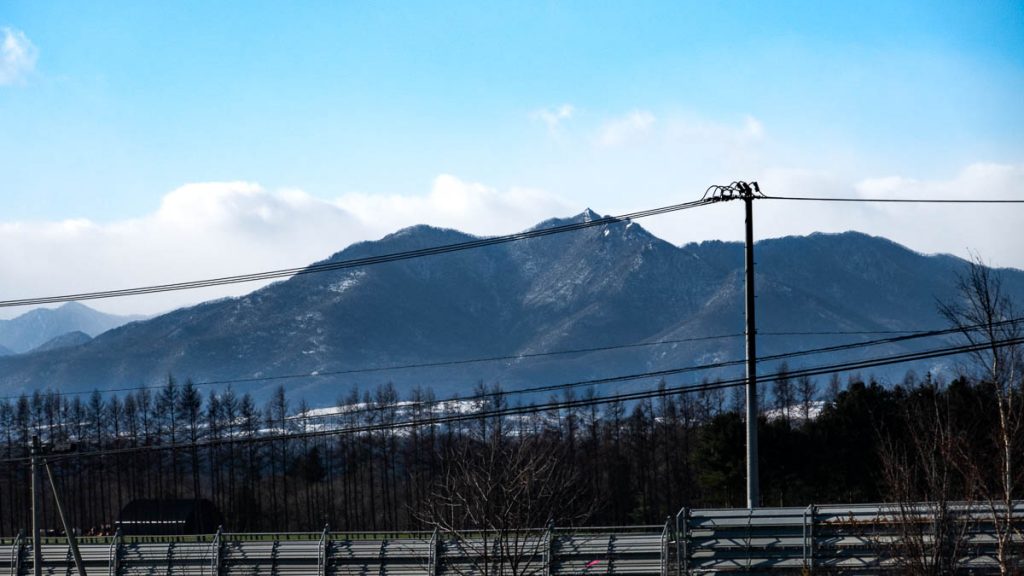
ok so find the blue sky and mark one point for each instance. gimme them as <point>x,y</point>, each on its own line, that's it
<point>485,115</point>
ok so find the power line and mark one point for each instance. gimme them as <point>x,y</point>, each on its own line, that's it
<point>905,336</point>
<point>322,373</point>
<point>667,372</point>
<point>909,335</point>
<point>562,405</point>
<point>554,405</point>
<point>443,249</point>
<point>900,200</point>
<point>840,332</point>
<point>352,263</point>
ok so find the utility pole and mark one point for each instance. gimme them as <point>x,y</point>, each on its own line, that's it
<point>37,549</point>
<point>753,484</point>
<point>748,192</point>
<point>72,540</point>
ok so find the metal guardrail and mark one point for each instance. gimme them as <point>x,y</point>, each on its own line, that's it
<point>550,552</point>
<point>827,539</point>
<point>820,539</point>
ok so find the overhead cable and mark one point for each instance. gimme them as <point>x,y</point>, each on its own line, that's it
<point>351,263</point>
<point>548,406</point>
<point>901,200</point>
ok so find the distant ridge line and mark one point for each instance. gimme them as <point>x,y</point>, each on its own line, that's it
<point>357,262</point>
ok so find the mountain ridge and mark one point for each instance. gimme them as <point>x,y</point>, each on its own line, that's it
<point>34,328</point>
<point>603,286</point>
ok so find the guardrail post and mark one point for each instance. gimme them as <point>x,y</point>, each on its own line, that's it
<point>664,545</point>
<point>548,536</point>
<point>810,531</point>
<point>808,543</point>
<point>215,552</point>
<point>380,555</point>
<point>435,548</point>
<point>804,540</point>
<point>19,542</point>
<point>114,555</point>
<point>682,552</point>
<point>610,554</point>
<point>321,560</point>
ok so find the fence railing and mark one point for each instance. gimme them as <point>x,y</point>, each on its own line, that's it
<point>820,539</point>
<point>848,539</point>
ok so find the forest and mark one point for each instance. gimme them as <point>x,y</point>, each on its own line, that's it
<point>389,460</point>
<point>282,467</point>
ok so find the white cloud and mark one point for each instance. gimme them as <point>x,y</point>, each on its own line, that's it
<point>453,203</point>
<point>213,229</point>
<point>993,231</point>
<point>17,56</point>
<point>619,131</point>
<point>644,158</point>
<point>753,128</point>
<point>990,230</point>
<point>716,134</point>
<point>553,117</point>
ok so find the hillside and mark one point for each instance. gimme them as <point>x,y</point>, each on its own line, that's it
<point>36,327</point>
<point>599,287</point>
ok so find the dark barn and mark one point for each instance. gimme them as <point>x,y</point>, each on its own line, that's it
<point>169,517</point>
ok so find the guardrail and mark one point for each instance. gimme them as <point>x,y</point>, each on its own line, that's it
<point>852,539</point>
<point>548,552</point>
<point>826,539</point>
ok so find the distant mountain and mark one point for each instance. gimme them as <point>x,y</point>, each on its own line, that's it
<point>598,287</point>
<point>76,338</point>
<point>36,327</point>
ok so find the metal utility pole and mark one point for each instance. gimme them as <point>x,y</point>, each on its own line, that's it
<point>748,192</point>
<point>753,484</point>
<point>37,550</point>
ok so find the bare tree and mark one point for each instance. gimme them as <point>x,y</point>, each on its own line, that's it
<point>834,388</point>
<point>986,317</point>
<point>497,494</point>
<point>807,393</point>
<point>782,390</point>
<point>190,410</point>
<point>923,475</point>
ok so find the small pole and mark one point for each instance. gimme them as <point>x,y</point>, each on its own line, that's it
<point>753,487</point>
<point>37,549</point>
<point>114,555</point>
<point>217,549</point>
<point>72,540</point>
<point>435,553</point>
<point>321,561</point>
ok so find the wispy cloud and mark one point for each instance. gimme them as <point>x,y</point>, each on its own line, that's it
<point>17,56</point>
<point>706,132</point>
<point>989,230</point>
<point>212,229</point>
<point>618,131</point>
<point>553,117</point>
<point>454,203</point>
<point>221,228</point>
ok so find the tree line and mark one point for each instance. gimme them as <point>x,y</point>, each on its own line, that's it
<point>620,463</point>
<point>388,461</point>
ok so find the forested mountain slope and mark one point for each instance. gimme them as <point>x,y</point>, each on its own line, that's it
<point>603,286</point>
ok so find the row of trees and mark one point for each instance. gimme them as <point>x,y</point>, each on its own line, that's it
<point>280,467</point>
<point>387,462</point>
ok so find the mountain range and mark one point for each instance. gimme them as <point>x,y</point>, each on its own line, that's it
<point>645,303</point>
<point>50,328</point>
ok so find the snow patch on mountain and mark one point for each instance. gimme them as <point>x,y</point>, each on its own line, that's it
<point>348,281</point>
